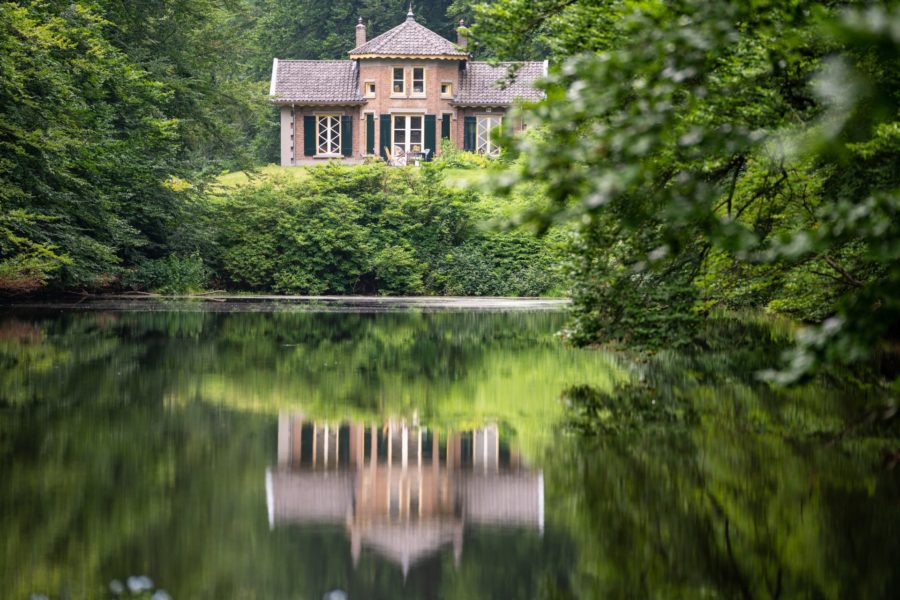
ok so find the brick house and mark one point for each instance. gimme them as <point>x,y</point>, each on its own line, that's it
<point>397,95</point>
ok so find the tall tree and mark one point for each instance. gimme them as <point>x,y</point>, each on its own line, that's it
<point>111,111</point>
<point>322,29</point>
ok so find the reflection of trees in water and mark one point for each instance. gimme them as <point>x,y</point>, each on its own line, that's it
<point>121,463</point>
<point>694,477</point>
<point>176,493</point>
<point>724,382</point>
<point>125,455</point>
<point>310,347</point>
<point>726,513</point>
<point>108,490</point>
<point>450,367</point>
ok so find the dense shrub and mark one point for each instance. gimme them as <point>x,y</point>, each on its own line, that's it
<point>371,229</point>
<point>171,275</point>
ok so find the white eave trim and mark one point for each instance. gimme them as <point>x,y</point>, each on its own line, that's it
<point>274,77</point>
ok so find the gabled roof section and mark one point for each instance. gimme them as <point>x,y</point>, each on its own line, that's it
<point>484,84</point>
<point>409,39</point>
<point>315,82</point>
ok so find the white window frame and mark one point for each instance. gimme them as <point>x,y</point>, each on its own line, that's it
<point>394,80</point>
<point>449,92</point>
<point>484,127</point>
<point>332,135</point>
<point>408,145</point>
<point>412,80</point>
<point>366,91</point>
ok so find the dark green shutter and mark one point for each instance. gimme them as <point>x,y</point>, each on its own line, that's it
<point>469,134</point>
<point>385,134</point>
<point>370,133</point>
<point>430,130</point>
<point>445,127</point>
<point>347,135</point>
<point>309,136</point>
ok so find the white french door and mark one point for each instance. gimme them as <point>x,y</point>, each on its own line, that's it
<point>329,135</point>
<point>483,142</point>
<point>407,132</point>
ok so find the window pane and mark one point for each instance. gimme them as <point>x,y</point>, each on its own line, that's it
<point>418,80</point>
<point>329,136</point>
<point>399,123</point>
<point>333,128</point>
<point>415,122</point>
<point>483,141</point>
<point>415,136</point>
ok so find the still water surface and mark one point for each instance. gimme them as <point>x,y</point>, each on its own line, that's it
<point>283,453</point>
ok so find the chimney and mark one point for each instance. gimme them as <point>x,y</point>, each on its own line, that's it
<point>461,40</point>
<point>360,33</point>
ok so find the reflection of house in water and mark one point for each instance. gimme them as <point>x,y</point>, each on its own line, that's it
<point>401,490</point>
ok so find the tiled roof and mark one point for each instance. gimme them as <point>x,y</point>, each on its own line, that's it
<point>482,84</point>
<point>316,82</point>
<point>408,39</point>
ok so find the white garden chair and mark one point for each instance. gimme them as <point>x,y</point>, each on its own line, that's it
<point>399,158</point>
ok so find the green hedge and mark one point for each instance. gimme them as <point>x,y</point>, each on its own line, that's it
<point>371,229</point>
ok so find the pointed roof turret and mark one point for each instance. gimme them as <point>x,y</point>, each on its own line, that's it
<point>409,40</point>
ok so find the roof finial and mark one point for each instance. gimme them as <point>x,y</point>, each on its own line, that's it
<point>410,16</point>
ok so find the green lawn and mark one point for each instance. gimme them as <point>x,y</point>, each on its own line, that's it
<point>237,178</point>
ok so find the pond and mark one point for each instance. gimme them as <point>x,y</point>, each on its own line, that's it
<point>318,450</point>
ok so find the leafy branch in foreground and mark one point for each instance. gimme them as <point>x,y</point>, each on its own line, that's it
<point>720,154</point>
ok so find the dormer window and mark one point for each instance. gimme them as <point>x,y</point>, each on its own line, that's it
<point>418,80</point>
<point>370,89</point>
<point>446,89</point>
<point>399,81</point>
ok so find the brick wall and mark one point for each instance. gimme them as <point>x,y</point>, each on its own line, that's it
<point>381,73</point>
<point>299,112</point>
